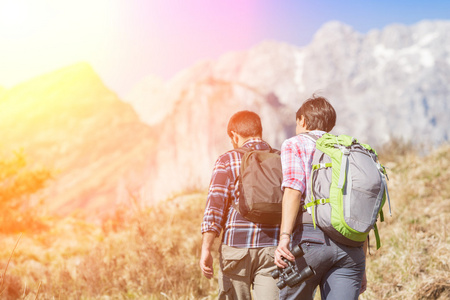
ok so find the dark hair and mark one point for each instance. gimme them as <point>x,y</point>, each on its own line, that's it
<point>318,113</point>
<point>246,124</point>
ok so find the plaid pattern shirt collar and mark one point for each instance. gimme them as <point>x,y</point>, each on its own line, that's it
<point>220,215</point>
<point>296,160</point>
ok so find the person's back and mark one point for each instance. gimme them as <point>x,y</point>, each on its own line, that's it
<point>339,269</point>
<point>247,248</point>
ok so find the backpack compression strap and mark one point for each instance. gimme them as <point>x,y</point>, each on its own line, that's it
<point>384,179</point>
<point>314,201</point>
<point>343,171</point>
<point>377,235</point>
<point>315,167</point>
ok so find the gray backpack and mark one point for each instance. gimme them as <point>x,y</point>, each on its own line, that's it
<point>347,189</point>
<point>258,187</point>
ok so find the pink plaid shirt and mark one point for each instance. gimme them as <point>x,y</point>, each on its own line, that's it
<point>296,159</point>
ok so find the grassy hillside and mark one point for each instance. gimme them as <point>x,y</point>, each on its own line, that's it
<point>153,253</point>
<point>71,123</point>
<point>414,261</point>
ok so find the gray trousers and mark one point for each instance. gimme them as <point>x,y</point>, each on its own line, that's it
<point>246,271</point>
<point>339,268</point>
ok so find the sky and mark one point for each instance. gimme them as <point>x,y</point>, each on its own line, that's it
<point>128,40</point>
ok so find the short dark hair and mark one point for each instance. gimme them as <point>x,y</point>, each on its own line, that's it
<point>246,124</point>
<point>318,113</point>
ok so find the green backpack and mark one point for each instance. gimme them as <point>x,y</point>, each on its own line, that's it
<point>347,189</point>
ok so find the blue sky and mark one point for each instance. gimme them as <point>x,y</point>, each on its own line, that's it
<point>127,40</point>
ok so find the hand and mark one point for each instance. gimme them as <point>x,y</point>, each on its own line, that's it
<point>363,284</point>
<point>206,264</point>
<point>283,251</point>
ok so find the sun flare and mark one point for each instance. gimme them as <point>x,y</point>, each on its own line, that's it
<point>14,17</point>
<point>38,36</point>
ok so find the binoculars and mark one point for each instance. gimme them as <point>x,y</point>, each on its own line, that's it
<point>290,276</point>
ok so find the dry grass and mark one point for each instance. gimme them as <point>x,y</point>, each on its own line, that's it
<point>414,261</point>
<point>143,254</point>
<point>153,253</point>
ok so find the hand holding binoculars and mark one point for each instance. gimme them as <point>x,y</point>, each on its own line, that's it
<point>290,276</point>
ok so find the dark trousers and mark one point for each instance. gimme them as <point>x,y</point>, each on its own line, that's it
<point>339,268</point>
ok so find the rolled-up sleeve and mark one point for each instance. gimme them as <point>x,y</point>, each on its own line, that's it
<point>294,175</point>
<point>217,202</point>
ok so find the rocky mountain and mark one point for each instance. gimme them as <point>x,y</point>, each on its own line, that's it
<point>384,84</point>
<point>389,83</point>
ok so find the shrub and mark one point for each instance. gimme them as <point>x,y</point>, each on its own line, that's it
<point>18,183</point>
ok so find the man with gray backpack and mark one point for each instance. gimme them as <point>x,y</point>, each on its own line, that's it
<point>334,190</point>
<point>243,198</point>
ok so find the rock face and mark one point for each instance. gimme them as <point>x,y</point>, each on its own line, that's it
<point>386,83</point>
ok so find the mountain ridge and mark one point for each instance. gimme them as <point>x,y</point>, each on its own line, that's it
<point>374,94</point>
<point>389,83</point>
<point>350,68</point>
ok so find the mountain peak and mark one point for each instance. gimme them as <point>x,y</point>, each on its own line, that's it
<point>79,74</point>
<point>81,67</point>
<point>334,31</point>
<point>80,71</point>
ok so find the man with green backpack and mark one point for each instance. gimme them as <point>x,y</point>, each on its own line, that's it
<point>334,189</point>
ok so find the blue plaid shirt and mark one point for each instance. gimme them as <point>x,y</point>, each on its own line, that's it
<point>219,213</point>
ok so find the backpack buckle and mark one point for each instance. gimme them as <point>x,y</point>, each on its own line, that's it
<point>345,151</point>
<point>322,201</point>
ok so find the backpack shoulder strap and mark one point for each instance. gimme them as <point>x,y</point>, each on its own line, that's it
<point>245,150</point>
<point>310,136</point>
<point>276,151</point>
